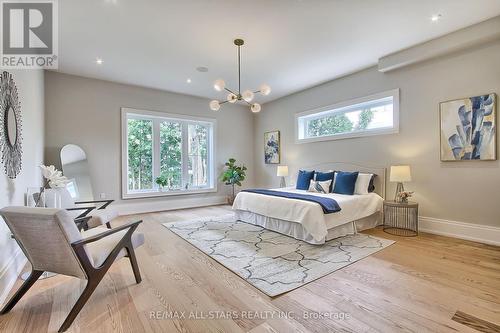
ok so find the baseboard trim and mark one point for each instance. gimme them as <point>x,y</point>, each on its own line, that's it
<point>473,232</point>
<point>10,274</point>
<point>164,205</point>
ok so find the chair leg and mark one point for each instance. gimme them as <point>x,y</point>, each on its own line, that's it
<point>133,262</point>
<point>87,292</point>
<point>108,224</point>
<point>21,291</point>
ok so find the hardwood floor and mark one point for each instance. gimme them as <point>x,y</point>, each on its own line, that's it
<point>415,285</point>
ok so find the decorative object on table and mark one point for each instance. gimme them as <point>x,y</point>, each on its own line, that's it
<point>233,175</point>
<point>53,179</point>
<point>48,198</point>
<point>52,242</point>
<point>10,126</point>
<point>282,171</point>
<point>403,196</point>
<point>401,218</point>
<point>162,182</point>
<point>238,96</point>
<point>468,129</point>
<point>272,147</point>
<point>400,174</point>
<point>272,262</point>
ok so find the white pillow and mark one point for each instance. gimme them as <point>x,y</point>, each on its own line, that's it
<point>362,185</point>
<point>319,187</point>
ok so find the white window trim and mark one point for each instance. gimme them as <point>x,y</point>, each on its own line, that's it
<point>155,192</point>
<point>355,134</point>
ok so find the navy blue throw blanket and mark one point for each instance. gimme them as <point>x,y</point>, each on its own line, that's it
<point>328,205</point>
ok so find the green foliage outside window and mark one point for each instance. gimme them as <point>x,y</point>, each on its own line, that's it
<point>140,154</point>
<point>171,154</point>
<point>365,118</point>
<point>338,123</point>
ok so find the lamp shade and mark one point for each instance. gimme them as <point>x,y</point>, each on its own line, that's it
<point>282,171</point>
<point>400,173</point>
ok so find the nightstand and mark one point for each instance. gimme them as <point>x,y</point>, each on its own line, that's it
<point>401,218</point>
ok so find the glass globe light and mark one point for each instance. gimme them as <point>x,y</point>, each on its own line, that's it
<point>265,89</point>
<point>214,105</point>
<point>255,107</point>
<point>247,95</point>
<point>232,98</point>
<point>219,85</point>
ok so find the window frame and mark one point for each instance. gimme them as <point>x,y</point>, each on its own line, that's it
<point>338,107</point>
<point>157,117</point>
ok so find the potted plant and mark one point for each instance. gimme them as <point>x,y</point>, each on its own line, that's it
<point>233,175</point>
<point>162,181</point>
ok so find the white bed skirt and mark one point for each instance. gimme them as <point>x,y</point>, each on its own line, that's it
<point>297,231</point>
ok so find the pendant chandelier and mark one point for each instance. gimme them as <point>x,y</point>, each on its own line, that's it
<point>237,96</point>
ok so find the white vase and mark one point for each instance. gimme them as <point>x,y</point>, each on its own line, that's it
<point>52,198</point>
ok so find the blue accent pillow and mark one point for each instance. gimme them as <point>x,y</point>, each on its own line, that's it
<point>324,176</point>
<point>345,182</point>
<point>304,179</point>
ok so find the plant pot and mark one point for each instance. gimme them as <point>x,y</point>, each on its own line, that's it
<point>230,199</point>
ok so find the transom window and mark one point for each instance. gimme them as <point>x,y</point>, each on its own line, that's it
<point>371,115</point>
<point>178,148</point>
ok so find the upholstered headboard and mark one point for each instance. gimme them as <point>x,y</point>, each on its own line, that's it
<point>379,181</point>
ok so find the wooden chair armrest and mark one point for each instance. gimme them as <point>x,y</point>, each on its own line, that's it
<point>86,210</point>
<point>106,203</point>
<point>81,222</point>
<point>81,242</point>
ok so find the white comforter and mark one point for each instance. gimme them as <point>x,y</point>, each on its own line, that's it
<point>310,214</point>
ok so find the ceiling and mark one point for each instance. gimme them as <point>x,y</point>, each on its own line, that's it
<point>289,44</point>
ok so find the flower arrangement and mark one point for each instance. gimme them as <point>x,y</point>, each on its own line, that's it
<point>404,195</point>
<point>53,179</point>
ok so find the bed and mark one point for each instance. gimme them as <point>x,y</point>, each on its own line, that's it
<point>305,220</point>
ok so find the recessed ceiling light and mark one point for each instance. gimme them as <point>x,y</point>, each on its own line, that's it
<point>435,18</point>
<point>99,61</point>
<point>202,69</point>
<point>188,80</point>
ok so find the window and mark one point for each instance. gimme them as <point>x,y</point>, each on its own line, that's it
<point>371,115</point>
<point>176,147</point>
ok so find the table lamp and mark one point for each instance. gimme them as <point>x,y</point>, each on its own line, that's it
<point>400,174</point>
<point>282,172</point>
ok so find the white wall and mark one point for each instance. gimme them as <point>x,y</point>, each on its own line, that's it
<point>12,192</point>
<point>457,191</point>
<point>86,112</point>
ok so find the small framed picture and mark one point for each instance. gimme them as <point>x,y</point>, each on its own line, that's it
<point>272,147</point>
<point>468,129</point>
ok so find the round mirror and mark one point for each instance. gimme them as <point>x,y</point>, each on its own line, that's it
<point>11,125</point>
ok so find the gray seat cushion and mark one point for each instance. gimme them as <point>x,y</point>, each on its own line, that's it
<point>100,250</point>
<point>102,216</point>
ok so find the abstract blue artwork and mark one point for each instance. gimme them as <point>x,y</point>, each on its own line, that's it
<point>272,147</point>
<point>468,129</point>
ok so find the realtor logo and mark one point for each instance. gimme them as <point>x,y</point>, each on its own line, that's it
<point>29,34</point>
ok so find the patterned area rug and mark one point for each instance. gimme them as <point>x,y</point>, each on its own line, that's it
<point>272,262</point>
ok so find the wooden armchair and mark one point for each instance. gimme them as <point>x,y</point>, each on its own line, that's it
<point>51,241</point>
<point>99,211</point>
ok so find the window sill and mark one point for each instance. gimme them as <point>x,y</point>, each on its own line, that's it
<point>157,193</point>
